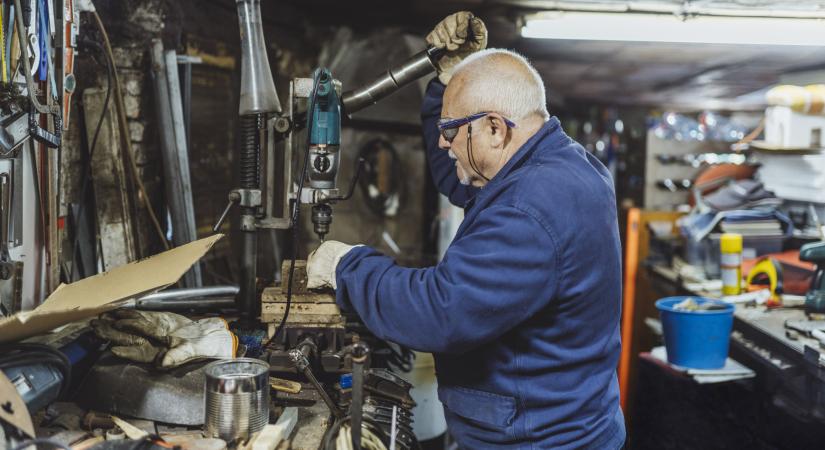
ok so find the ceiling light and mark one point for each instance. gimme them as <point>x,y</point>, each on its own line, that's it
<point>635,27</point>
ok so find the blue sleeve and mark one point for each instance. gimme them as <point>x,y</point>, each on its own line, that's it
<point>496,275</point>
<point>441,166</point>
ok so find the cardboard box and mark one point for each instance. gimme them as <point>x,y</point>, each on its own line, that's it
<point>91,296</point>
<point>787,128</point>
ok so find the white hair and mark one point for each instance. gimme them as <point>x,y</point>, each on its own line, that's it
<point>502,81</point>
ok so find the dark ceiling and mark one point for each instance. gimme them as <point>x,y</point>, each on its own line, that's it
<point>660,74</point>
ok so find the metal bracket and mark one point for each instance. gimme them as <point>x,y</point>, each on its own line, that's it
<point>250,198</point>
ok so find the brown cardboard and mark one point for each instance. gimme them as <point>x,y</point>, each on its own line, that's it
<point>94,295</point>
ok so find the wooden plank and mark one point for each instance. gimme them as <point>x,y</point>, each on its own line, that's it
<point>639,298</point>
<point>300,275</point>
<point>274,295</point>
<point>114,207</point>
<point>304,308</point>
<point>302,319</point>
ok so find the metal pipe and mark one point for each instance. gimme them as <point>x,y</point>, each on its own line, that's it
<point>392,80</point>
<point>250,171</point>
<point>246,299</point>
<point>203,292</point>
<point>302,364</point>
<point>187,304</point>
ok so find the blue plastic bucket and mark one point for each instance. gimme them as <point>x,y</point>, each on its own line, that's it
<point>696,339</point>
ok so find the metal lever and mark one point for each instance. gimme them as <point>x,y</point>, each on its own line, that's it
<point>41,135</point>
<point>234,198</point>
<point>360,352</point>
<point>302,364</point>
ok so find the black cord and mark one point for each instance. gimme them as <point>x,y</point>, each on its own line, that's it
<point>41,441</point>
<point>331,433</point>
<point>296,215</point>
<point>88,169</point>
<point>473,164</point>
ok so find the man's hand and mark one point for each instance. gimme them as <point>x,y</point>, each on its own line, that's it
<point>461,34</point>
<point>322,263</point>
<point>167,339</point>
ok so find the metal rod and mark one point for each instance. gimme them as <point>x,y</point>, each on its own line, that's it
<point>186,304</point>
<point>249,263</point>
<point>360,352</point>
<point>302,364</point>
<point>202,292</point>
<point>392,80</point>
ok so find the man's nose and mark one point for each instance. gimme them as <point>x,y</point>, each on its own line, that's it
<point>443,144</point>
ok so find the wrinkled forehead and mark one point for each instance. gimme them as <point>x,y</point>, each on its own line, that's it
<point>454,101</point>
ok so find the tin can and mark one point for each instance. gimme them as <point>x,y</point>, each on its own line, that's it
<point>237,398</point>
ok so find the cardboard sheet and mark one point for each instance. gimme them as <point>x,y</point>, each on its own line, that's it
<point>94,295</point>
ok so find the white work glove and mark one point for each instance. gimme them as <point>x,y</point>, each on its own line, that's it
<point>322,263</point>
<point>452,34</point>
<point>167,339</point>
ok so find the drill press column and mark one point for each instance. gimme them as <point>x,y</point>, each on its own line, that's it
<point>258,97</point>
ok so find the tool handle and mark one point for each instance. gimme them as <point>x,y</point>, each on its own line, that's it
<point>360,353</point>
<point>233,200</point>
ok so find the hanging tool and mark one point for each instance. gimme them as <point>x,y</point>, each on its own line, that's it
<point>767,271</point>
<point>4,76</point>
<point>29,12</point>
<point>50,139</point>
<point>71,27</point>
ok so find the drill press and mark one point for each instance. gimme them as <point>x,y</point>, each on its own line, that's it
<point>302,142</point>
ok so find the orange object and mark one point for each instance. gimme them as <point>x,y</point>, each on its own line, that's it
<point>631,267</point>
<point>721,171</point>
<point>796,274</point>
<point>71,23</point>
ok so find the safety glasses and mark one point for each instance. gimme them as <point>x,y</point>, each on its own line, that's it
<point>449,126</point>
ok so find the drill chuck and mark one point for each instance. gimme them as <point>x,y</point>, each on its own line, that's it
<point>321,219</point>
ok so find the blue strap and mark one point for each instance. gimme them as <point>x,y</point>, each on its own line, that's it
<point>43,35</point>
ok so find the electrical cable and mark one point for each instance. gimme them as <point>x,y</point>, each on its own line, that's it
<point>88,169</point>
<point>338,437</point>
<point>296,215</point>
<point>473,164</point>
<point>41,441</point>
<point>124,131</point>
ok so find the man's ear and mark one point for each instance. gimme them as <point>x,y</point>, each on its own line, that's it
<point>498,130</point>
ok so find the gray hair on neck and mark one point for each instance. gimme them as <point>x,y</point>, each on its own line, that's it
<point>501,81</point>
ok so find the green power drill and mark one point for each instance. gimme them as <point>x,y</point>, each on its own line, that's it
<point>815,298</point>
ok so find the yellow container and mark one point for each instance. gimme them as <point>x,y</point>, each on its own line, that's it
<point>730,262</point>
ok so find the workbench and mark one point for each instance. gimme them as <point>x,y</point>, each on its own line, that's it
<point>790,372</point>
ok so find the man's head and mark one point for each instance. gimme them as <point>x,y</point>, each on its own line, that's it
<point>504,85</point>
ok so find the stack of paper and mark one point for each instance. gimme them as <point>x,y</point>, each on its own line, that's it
<point>766,227</point>
<point>732,370</point>
<point>793,176</point>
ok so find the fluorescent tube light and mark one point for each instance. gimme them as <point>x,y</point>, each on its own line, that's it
<point>635,27</point>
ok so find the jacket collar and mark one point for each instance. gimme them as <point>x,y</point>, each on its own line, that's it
<point>551,130</point>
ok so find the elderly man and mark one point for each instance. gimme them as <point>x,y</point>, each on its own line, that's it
<point>522,314</point>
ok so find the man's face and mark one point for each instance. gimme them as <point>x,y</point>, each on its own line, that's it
<point>458,148</point>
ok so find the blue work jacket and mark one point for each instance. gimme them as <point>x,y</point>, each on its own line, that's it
<point>522,314</point>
